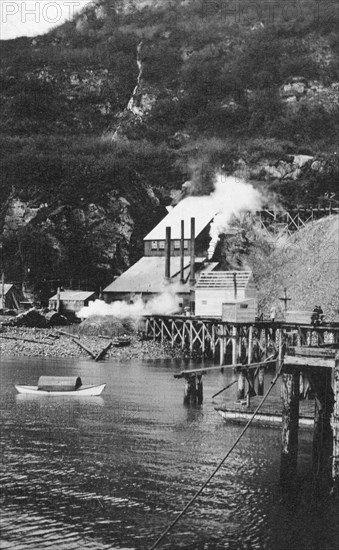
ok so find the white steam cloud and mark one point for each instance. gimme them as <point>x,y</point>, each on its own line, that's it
<point>164,304</point>
<point>232,196</point>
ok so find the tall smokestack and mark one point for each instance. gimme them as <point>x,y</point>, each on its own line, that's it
<point>192,274</point>
<point>182,251</point>
<point>168,254</point>
<point>235,285</point>
<point>58,300</point>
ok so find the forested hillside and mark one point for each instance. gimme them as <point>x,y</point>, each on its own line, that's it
<point>106,115</point>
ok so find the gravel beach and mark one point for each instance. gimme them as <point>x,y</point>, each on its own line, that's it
<point>32,342</point>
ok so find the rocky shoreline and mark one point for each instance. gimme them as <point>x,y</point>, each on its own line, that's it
<point>33,342</point>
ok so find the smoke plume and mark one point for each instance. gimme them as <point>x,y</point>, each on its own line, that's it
<point>164,304</point>
<point>232,196</point>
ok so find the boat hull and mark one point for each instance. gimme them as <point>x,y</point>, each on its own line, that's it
<point>85,391</point>
<point>262,419</point>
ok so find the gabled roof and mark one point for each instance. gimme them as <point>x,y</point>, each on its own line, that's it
<point>7,288</point>
<point>203,209</point>
<point>74,295</point>
<point>148,275</point>
<point>224,280</point>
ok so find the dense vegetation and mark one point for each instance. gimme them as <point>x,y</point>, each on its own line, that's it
<point>216,79</point>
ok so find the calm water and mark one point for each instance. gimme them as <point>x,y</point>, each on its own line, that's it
<point>112,471</point>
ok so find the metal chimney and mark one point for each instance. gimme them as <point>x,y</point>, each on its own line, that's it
<point>192,274</point>
<point>168,254</point>
<point>235,285</point>
<point>182,251</point>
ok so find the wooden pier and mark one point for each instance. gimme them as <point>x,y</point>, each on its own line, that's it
<point>308,357</point>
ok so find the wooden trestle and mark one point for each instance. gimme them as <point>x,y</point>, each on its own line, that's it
<point>236,342</point>
<point>309,359</point>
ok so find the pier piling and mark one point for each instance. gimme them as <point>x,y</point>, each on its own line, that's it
<point>335,429</point>
<point>290,427</point>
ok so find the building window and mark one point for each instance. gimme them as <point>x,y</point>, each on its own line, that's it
<point>161,245</point>
<point>176,245</point>
<point>186,244</point>
<point>154,245</point>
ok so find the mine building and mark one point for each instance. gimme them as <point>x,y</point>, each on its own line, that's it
<point>175,253</point>
<point>178,253</point>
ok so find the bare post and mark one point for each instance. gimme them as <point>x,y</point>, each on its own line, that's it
<point>234,346</point>
<point>335,429</point>
<point>322,435</point>
<point>193,389</point>
<point>290,428</point>
<point>261,379</point>
<point>221,344</point>
<point>3,297</point>
<point>241,385</point>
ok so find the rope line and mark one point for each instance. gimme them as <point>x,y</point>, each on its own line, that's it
<point>198,493</point>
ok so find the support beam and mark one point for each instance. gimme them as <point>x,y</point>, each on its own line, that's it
<point>193,392</point>
<point>335,428</point>
<point>322,436</point>
<point>241,385</point>
<point>221,344</point>
<point>290,427</point>
<point>261,379</point>
<point>234,346</point>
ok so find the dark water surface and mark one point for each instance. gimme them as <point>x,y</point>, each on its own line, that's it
<point>113,471</point>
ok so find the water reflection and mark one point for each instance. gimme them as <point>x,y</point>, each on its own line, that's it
<point>113,471</point>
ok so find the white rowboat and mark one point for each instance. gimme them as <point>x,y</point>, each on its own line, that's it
<point>83,390</point>
<point>61,385</point>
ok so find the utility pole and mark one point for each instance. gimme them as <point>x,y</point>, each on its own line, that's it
<point>285,299</point>
<point>3,298</point>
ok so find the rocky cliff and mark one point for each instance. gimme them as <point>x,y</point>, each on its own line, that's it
<point>105,116</point>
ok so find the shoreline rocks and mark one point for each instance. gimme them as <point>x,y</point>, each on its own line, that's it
<point>33,342</point>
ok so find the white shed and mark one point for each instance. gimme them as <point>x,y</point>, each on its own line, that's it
<point>216,288</point>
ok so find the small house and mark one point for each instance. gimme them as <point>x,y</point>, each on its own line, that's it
<point>71,300</point>
<point>11,297</point>
<point>236,289</point>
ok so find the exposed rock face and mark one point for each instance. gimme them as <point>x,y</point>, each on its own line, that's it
<point>290,168</point>
<point>298,91</point>
<point>104,232</point>
<point>18,214</point>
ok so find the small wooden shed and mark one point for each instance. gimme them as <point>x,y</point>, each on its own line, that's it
<point>71,300</point>
<point>12,297</point>
<point>242,311</point>
<point>216,288</point>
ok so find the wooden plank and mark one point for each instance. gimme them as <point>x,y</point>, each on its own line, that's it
<point>305,351</point>
<point>90,352</point>
<point>291,360</point>
<point>103,352</point>
<point>183,373</point>
<point>19,339</point>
